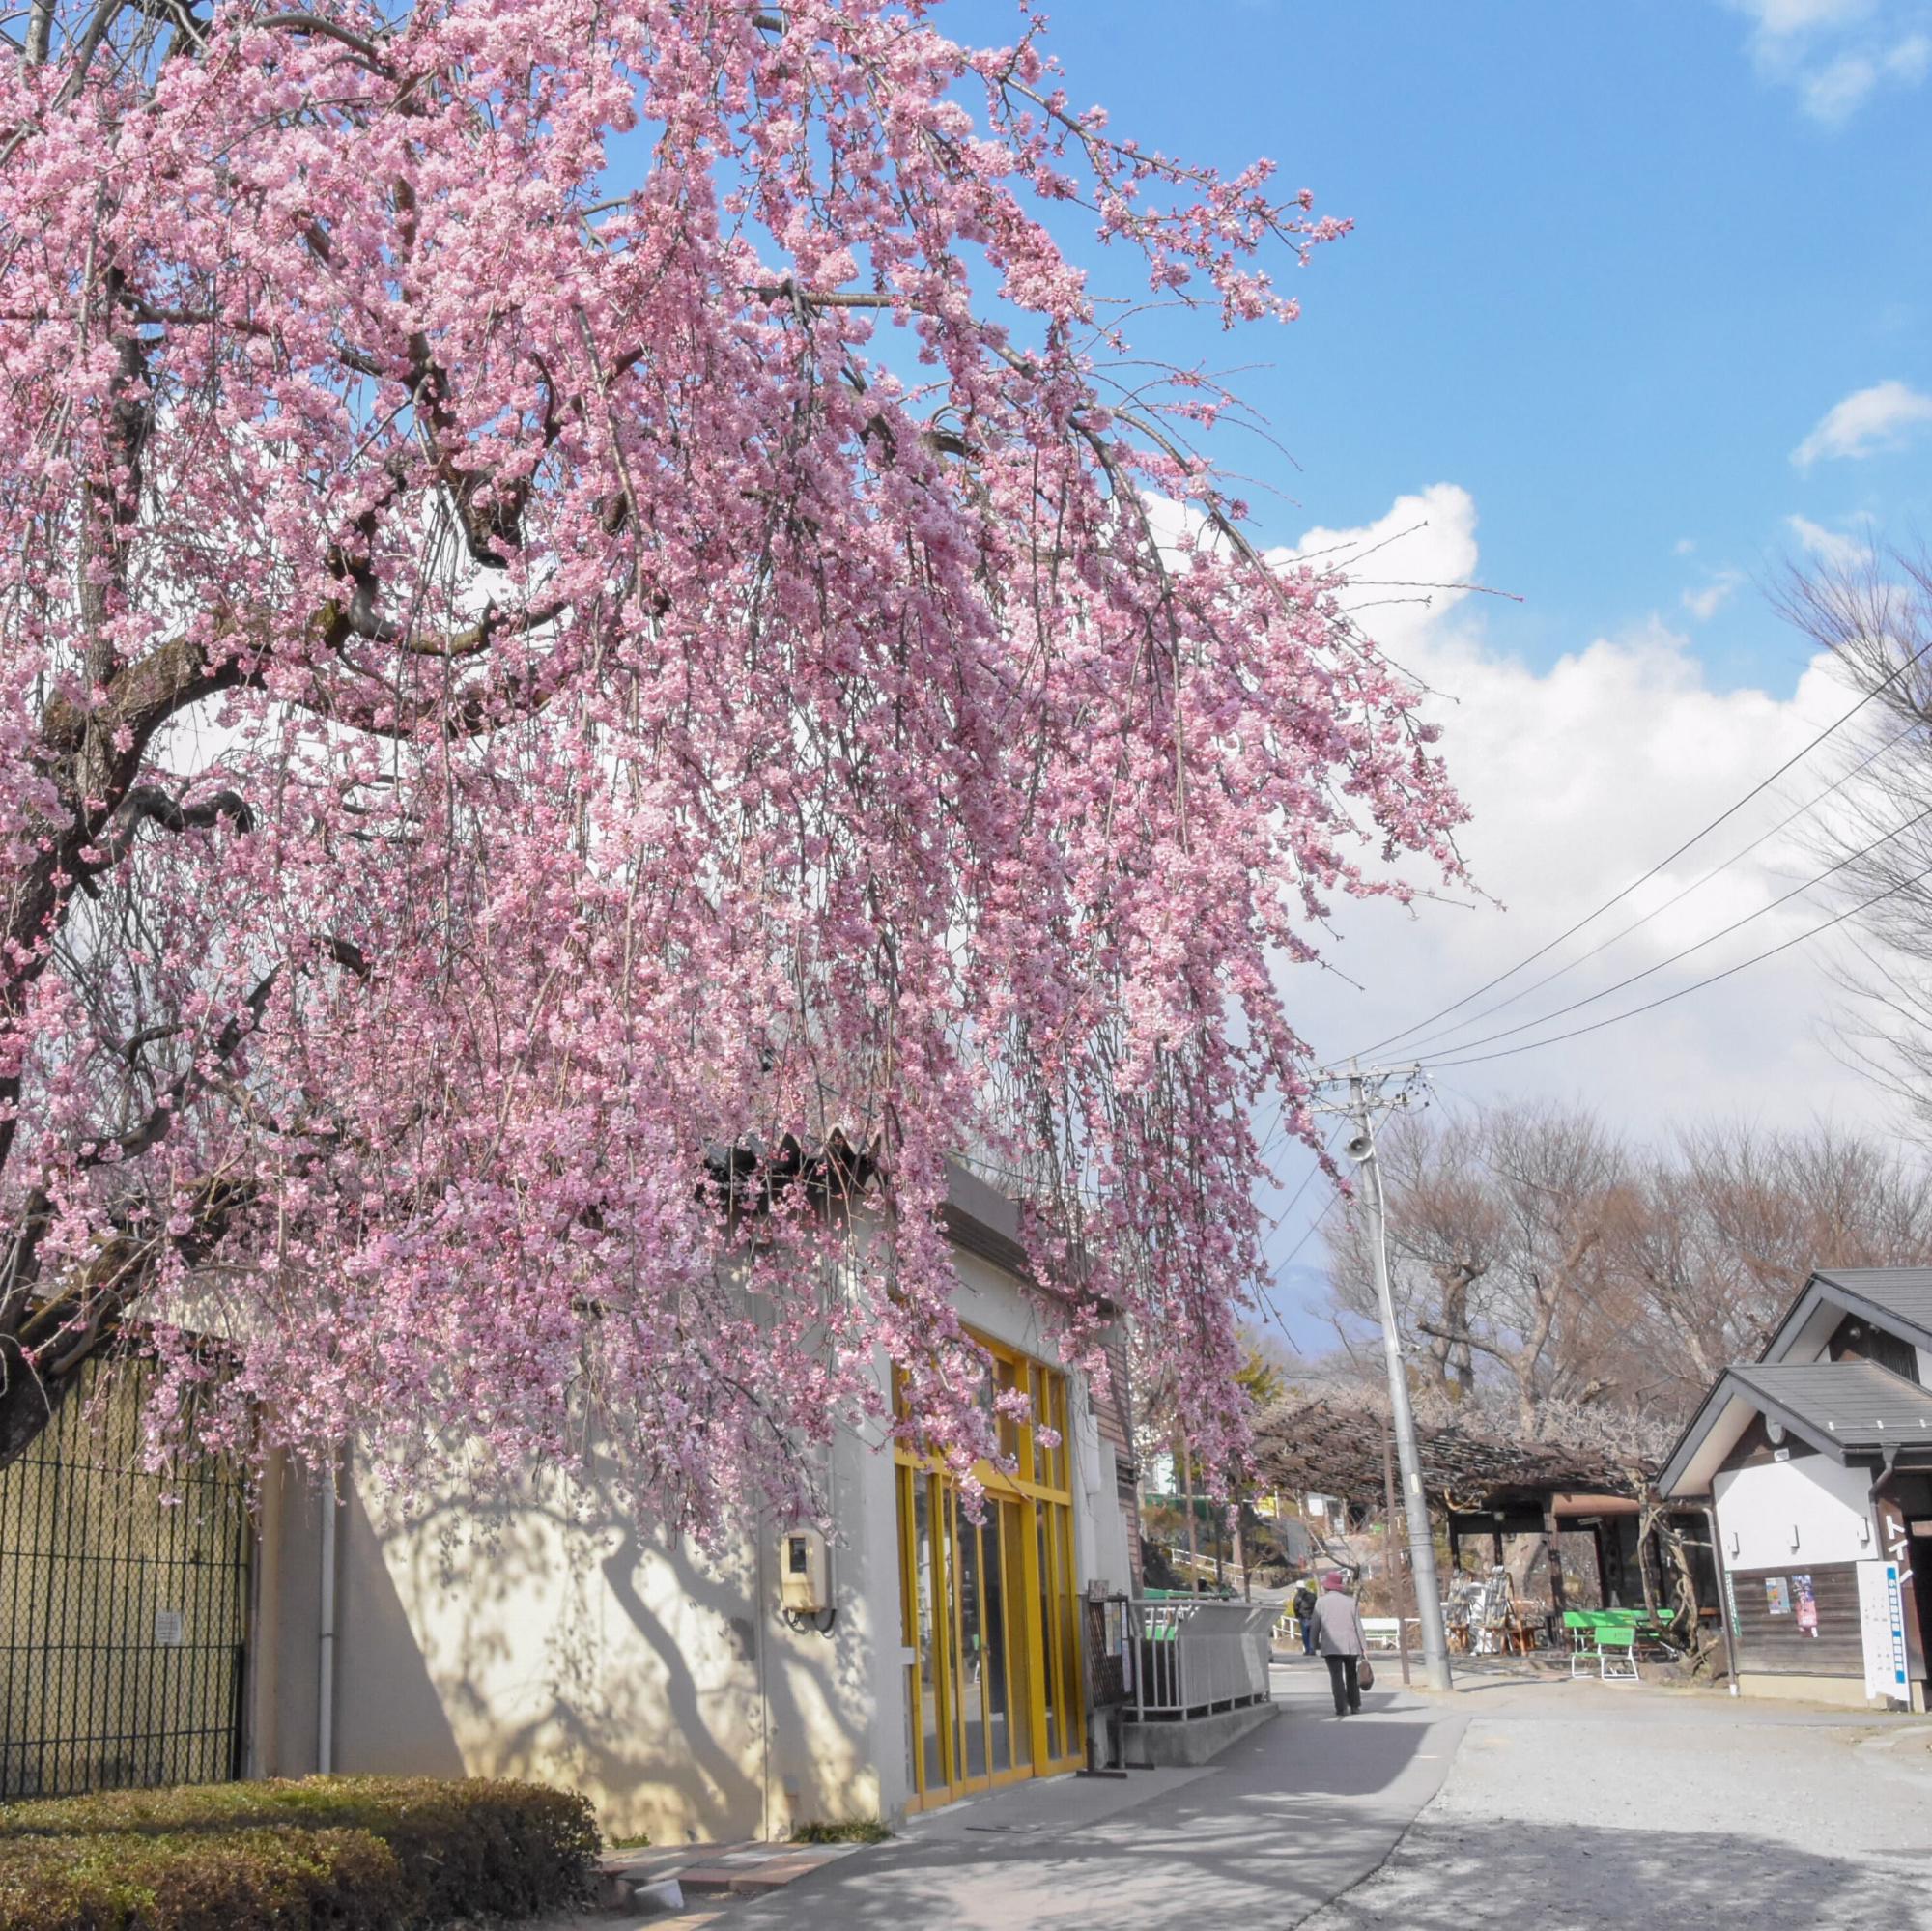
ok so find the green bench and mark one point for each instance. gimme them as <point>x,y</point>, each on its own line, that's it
<point>1607,1638</point>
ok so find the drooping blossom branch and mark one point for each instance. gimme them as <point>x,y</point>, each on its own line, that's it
<point>590,690</point>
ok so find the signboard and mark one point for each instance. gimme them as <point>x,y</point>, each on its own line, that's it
<point>1882,1628</point>
<point>1777,1595</point>
<point>168,1628</point>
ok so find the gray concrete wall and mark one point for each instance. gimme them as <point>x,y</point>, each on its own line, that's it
<point>286,1653</point>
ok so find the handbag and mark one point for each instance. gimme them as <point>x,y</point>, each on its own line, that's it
<point>1365,1674</point>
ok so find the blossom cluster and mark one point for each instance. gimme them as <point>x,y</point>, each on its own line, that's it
<point>579,613</point>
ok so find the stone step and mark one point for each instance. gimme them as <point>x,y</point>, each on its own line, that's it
<point>727,1870</point>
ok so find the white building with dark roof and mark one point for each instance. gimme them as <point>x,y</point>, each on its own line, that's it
<point>1816,1463</point>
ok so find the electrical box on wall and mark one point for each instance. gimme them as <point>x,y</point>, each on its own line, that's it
<point>805,1575</point>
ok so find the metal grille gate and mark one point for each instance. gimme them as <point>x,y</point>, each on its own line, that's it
<point>124,1608</point>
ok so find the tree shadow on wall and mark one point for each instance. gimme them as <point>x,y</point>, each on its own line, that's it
<point>640,1684</point>
<point>520,1645</point>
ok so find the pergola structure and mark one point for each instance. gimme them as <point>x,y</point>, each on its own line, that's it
<point>1481,1485</point>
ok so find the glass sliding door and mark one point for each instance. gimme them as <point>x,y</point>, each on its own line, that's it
<point>1067,1607</point>
<point>1049,1696</point>
<point>970,1747</point>
<point>921,1569</point>
<point>998,1693</point>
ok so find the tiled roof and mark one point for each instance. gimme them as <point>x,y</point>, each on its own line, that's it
<point>1904,1292</point>
<point>1853,1404</point>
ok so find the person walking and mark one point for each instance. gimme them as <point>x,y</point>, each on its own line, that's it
<point>1304,1614</point>
<point>1339,1638</point>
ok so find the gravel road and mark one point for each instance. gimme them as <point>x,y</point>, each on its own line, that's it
<point>1591,1806</point>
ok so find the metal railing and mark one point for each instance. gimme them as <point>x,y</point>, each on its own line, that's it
<point>1228,1574</point>
<point>1192,1659</point>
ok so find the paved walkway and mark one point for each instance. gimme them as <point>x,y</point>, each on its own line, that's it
<point>1283,1820</point>
<point>1569,1805</point>
<point>1585,1805</point>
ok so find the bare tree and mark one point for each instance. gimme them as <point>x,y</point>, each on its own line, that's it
<point>1543,1267</point>
<point>1499,1226</point>
<point>1724,1229</point>
<point>1875,619</point>
<point>1448,1235</point>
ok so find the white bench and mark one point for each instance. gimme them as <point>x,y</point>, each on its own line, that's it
<point>1382,1631</point>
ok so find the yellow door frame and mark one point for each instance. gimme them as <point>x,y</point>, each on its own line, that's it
<point>1041,1605</point>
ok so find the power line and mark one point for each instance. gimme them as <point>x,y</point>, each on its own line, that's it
<point>1736,924</point>
<point>1307,1180</point>
<point>1676,899</point>
<point>1684,991</point>
<point>1590,918</point>
<point>1308,1233</point>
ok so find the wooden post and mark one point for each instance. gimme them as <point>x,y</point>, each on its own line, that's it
<point>1557,1604</point>
<point>1894,1536</point>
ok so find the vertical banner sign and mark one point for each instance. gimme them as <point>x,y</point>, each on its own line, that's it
<point>1882,1627</point>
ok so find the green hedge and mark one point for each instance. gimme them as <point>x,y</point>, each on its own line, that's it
<point>344,1853</point>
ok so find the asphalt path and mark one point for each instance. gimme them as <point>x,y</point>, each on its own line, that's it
<point>1541,1804</point>
<point>1587,1805</point>
<point>1285,1819</point>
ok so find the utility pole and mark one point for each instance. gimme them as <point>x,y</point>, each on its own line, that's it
<point>1389,1563</point>
<point>1361,1149</point>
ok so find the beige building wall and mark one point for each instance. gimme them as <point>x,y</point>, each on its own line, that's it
<point>1843,1692</point>
<point>547,1637</point>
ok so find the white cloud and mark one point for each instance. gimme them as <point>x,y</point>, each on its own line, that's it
<point>1684,545</point>
<point>1836,551</point>
<point>1839,87</point>
<point>1778,18</point>
<point>1911,60</point>
<point>1580,777</point>
<point>1836,54</point>
<point>1866,421</point>
<point>1704,604</point>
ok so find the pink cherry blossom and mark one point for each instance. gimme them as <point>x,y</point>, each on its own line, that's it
<point>590,689</point>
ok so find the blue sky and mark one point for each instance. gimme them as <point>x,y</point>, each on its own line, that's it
<point>1615,265</point>
<point>1612,264</point>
